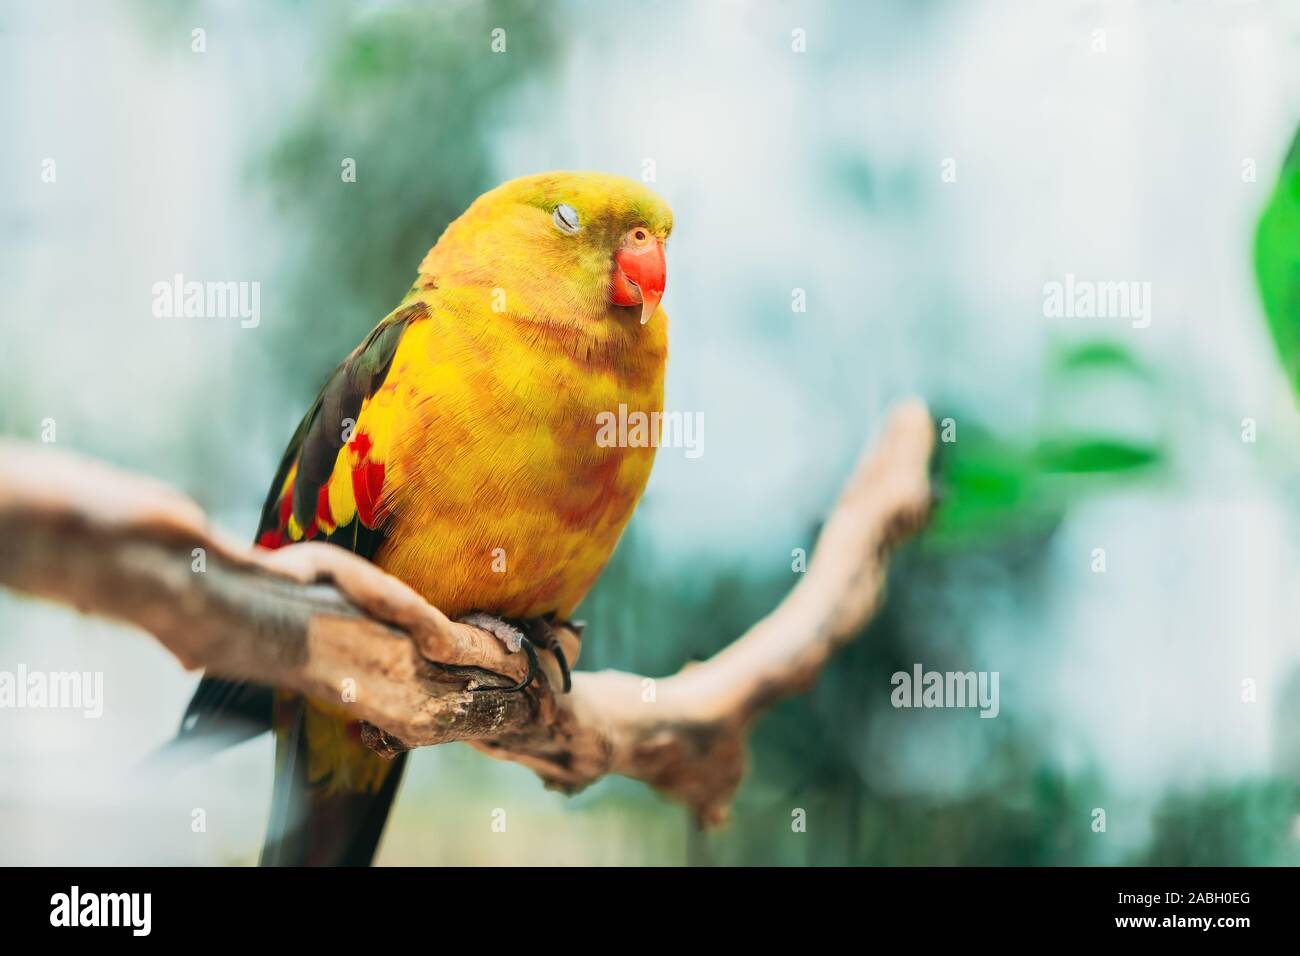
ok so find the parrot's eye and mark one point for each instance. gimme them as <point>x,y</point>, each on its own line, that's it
<point>565,218</point>
<point>638,236</point>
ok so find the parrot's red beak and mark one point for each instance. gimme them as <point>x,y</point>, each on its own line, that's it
<point>639,272</point>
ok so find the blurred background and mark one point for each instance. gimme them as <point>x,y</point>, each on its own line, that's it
<point>913,174</point>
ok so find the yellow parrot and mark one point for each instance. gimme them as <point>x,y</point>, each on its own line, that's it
<point>456,448</point>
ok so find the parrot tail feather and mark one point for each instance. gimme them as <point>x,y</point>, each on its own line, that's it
<point>331,795</point>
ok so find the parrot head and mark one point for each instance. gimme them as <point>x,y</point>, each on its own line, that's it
<point>570,248</point>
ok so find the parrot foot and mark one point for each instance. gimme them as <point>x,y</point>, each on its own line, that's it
<point>512,637</point>
<point>528,635</point>
<point>501,629</point>
<point>543,634</point>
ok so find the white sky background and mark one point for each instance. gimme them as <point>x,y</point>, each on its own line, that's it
<point>1117,165</point>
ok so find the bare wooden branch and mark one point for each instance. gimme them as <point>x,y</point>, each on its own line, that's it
<point>312,616</point>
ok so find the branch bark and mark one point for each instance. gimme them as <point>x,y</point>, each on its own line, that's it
<point>312,616</point>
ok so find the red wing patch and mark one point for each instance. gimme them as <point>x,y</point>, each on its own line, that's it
<point>278,536</point>
<point>367,480</point>
<point>298,504</point>
<point>323,514</point>
<point>367,492</point>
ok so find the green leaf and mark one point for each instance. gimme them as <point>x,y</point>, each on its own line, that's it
<point>1277,265</point>
<point>988,487</point>
<point>991,489</point>
<point>1094,455</point>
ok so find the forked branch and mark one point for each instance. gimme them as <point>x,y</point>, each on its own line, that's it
<point>317,619</point>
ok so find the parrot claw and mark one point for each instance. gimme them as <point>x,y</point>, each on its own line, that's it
<point>533,668</point>
<point>543,634</point>
<point>513,638</point>
<point>540,633</point>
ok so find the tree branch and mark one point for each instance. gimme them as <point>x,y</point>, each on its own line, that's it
<point>312,617</point>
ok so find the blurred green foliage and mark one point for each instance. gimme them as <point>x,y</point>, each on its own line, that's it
<point>1277,264</point>
<point>412,94</point>
<point>992,486</point>
<point>417,107</point>
<point>1247,824</point>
